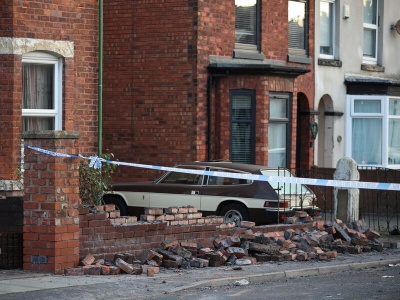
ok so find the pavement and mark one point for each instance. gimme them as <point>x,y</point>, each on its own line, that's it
<point>20,284</point>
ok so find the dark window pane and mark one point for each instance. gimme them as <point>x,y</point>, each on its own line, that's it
<point>297,24</point>
<point>242,128</point>
<point>246,22</point>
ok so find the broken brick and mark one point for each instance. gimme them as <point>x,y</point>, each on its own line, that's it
<point>170,264</point>
<point>222,242</point>
<point>247,224</point>
<point>153,211</point>
<point>171,210</point>
<point>262,257</point>
<point>74,272</point>
<point>91,270</point>
<point>88,260</point>
<point>124,266</point>
<point>238,252</point>
<point>137,270</point>
<point>372,235</point>
<point>169,243</point>
<point>104,270</point>
<point>199,263</point>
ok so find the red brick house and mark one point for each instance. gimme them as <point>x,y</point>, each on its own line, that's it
<point>206,80</point>
<point>48,98</point>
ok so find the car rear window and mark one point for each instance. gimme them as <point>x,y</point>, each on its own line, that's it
<point>283,187</point>
<point>217,180</point>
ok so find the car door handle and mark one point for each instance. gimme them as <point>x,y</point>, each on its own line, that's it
<point>195,193</point>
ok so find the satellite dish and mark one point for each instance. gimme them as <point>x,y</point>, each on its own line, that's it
<point>397,27</point>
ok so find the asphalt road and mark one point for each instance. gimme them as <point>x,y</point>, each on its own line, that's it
<point>349,276</point>
<point>383,283</point>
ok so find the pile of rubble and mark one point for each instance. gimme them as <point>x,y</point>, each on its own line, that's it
<point>323,241</point>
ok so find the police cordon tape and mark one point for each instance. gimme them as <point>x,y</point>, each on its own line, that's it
<point>96,162</point>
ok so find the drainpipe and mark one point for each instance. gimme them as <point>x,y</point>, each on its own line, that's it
<point>210,86</point>
<point>209,112</point>
<point>100,78</point>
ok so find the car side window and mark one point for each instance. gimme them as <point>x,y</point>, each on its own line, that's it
<point>183,178</point>
<point>216,180</point>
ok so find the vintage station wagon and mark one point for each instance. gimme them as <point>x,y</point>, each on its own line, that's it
<point>233,197</point>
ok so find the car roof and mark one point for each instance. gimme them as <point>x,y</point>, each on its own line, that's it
<point>250,168</point>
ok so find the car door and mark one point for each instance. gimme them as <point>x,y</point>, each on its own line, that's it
<point>178,189</point>
<point>217,190</point>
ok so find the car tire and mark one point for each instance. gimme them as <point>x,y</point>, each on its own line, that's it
<point>234,213</point>
<point>119,205</point>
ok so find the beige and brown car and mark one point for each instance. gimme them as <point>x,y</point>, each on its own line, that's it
<point>231,195</point>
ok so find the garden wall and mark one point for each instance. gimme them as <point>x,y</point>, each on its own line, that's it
<point>103,233</point>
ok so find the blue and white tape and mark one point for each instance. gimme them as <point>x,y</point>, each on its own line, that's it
<point>97,161</point>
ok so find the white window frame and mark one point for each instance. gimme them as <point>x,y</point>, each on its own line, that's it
<point>283,120</point>
<point>369,26</point>
<point>384,114</point>
<point>37,57</point>
<point>333,25</point>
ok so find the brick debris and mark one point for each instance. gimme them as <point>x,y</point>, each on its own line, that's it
<point>323,241</point>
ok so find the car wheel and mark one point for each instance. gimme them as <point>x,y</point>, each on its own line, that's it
<point>234,213</point>
<point>119,205</point>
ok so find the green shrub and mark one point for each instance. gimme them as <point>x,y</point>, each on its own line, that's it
<point>93,183</point>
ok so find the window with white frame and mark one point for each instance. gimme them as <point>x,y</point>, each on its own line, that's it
<point>370,29</point>
<point>297,19</point>
<point>41,92</point>
<point>394,132</point>
<point>247,24</point>
<point>327,28</point>
<point>278,130</point>
<point>374,126</point>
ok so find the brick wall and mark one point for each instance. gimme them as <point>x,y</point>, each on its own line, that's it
<point>10,116</point>
<point>103,234</point>
<point>51,201</point>
<point>155,88</point>
<point>149,87</point>
<point>72,21</point>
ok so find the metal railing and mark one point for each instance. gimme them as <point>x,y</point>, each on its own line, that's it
<point>379,209</point>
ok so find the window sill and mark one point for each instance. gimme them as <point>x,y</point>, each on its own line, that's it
<point>50,134</point>
<point>248,54</point>
<point>329,62</point>
<point>301,59</point>
<point>372,68</point>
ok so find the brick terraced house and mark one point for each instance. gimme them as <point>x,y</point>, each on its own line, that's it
<point>208,80</point>
<point>48,99</point>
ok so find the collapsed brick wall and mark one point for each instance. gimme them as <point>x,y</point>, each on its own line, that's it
<point>103,233</point>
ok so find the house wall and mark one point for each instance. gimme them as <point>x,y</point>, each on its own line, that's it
<point>67,29</point>
<point>155,81</point>
<point>150,82</point>
<point>218,39</point>
<point>329,81</point>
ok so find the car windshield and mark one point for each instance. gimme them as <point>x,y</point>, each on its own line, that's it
<point>284,187</point>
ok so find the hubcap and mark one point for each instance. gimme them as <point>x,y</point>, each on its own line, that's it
<point>233,216</point>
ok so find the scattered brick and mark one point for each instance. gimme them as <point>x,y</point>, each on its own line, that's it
<point>91,270</point>
<point>124,266</point>
<point>247,224</point>
<point>88,260</point>
<point>74,272</point>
